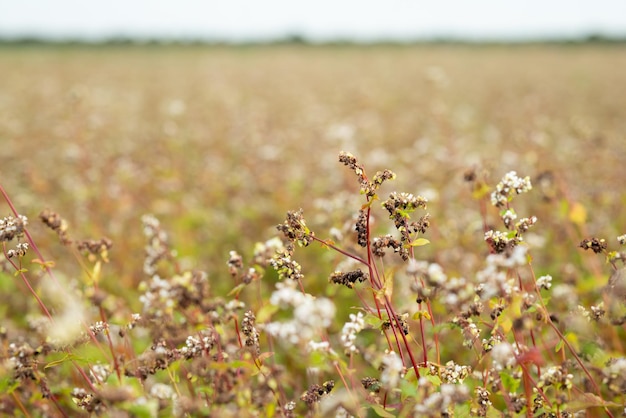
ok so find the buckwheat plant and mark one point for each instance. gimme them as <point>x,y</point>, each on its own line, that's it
<point>514,354</point>
<point>370,325</point>
<point>374,287</point>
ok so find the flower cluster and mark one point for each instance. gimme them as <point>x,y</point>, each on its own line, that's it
<point>367,188</point>
<point>87,401</point>
<point>159,356</point>
<point>524,224</point>
<point>544,282</point>
<point>400,205</point>
<point>483,402</point>
<point>439,403</point>
<point>505,241</point>
<point>454,373</point>
<point>615,375</point>
<point>20,250</point>
<point>23,361</point>
<point>295,230</point>
<point>510,184</point>
<point>503,356</point>
<point>196,345</point>
<point>501,241</point>
<point>310,314</point>
<point>350,330</point>
<point>456,293</point>
<point>157,247</point>
<point>99,247</point>
<point>315,392</point>
<point>11,227</point>
<point>351,162</point>
<point>286,267</point>
<point>99,373</point>
<point>162,297</point>
<point>556,376</point>
<point>392,370</point>
<point>235,263</point>
<point>251,333</point>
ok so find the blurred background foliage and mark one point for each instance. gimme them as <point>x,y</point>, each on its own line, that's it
<point>219,142</point>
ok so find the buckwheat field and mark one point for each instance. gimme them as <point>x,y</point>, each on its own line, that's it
<point>313,231</point>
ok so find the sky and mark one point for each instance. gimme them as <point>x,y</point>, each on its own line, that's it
<point>319,20</point>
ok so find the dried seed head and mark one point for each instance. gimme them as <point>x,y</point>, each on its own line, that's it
<point>348,279</point>
<point>595,244</point>
<point>361,228</point>
<point>54,221</point>
<point>99,247</point>
<point>295,230</point>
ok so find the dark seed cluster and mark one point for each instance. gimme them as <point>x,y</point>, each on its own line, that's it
<point>371,384</point>
<point>251,333</point>
<point>367,188</point>
<point>594,244</point>
<point>295,230</point>
<point>388,241</point>
<point>361,228</point>
<point>54,221</point>
<point>348,279</point>
<point>315,392</point>
<point>95,247</point>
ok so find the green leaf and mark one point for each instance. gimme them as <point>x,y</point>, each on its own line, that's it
<point>559,346</point>
<point>572,338</point>
<point>421,314</point>
<point>511,234</point>
<point>382,412</point>
<point>462,410</point>
<point>420,242</point>
<point>147,409</point>
<point>266,312</point>
<point>493,413</point>
<point>408,389</point>
<point>587,400</point>
<point>510,383</point>
<point>8,386</point>
<point>60,361</point>
<point>237,289</point>
<point>373,321</point>
<point>432,378</point>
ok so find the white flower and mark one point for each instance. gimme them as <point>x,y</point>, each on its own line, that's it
<point>323,346</point>
<point>503,356</point>
<point>162,391</point>
<point>393,370</point>
<point>508,217</point>
<point>544,282</point>
<point>310,314</point>
<point>510,183</point>
<point>350,330</point>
